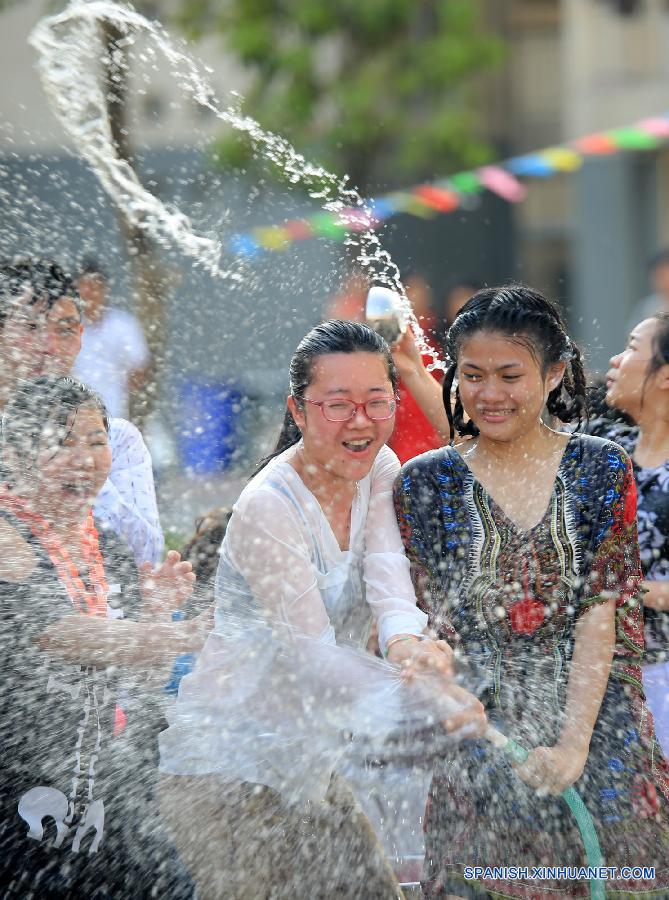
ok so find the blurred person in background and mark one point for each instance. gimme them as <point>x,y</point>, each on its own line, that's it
<point>458,291</point>
<point>114,355</point>
<point>638,385</point>
<point>658,300</point>
<point>203,551</point>
<point>349,301</point>
<point>415,432</point>
<point>41,333</point>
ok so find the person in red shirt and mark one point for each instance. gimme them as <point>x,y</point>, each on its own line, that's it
<point>414,432</point>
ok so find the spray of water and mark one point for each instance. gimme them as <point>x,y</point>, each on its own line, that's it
<point>70,46</point>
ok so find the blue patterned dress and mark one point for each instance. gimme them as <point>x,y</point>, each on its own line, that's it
<point>508,602</point>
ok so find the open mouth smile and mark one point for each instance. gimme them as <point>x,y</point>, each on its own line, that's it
<point>358,446</point>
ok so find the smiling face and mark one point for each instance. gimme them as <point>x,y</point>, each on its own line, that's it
<point>348,449</point>
<point>37,340</point>
<point>72,465</point>
<point>502,387</point>
<point>627,387</point>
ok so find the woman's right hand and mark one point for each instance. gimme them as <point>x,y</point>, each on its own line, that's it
<point>455,707</point>
<point>421,655</point>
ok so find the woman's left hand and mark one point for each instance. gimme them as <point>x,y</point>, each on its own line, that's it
<point>165,588</point>
<point>551,770</point>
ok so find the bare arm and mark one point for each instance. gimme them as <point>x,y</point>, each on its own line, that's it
<point>425,389</point>
<point>552,769</point>
<point>87,641</point>
<point>657,596</point>
<point>593,651</point>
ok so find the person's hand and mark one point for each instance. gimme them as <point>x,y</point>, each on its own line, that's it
<point>454,707</point>
<point>165,588</point>
<point>422,655</point>
<point>551,770</point>
<point>427,667</point>
<point>407,356</point>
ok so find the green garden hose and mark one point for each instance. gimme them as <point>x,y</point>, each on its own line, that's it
<point>573,800</point>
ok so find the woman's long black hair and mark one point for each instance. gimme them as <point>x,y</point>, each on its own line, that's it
<point>659,347</point>
<point>334,336</point>
<point>527,316</point>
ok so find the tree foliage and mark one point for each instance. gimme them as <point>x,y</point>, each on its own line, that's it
<point>384,90</point>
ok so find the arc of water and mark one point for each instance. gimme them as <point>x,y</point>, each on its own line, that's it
<point>70,46</point>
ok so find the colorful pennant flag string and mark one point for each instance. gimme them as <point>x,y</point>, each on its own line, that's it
<point>449,194</point>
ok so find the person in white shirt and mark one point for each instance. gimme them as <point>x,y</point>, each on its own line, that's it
<point>40,333</point>
<point>114,355</point>
<point>312,553</point>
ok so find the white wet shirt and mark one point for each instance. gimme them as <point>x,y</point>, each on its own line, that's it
<point>261,709</point>
<point>282,544</point>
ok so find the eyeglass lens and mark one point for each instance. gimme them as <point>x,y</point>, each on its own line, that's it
<point>341,410</point>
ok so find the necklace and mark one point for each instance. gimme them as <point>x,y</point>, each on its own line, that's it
<point>90,600</point>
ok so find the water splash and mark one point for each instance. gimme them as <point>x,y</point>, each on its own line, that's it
<point>71,46</point>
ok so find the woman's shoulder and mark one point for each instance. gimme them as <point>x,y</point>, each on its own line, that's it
<point>432,475</point>
<point>599,445</point>
<point>596,457</point>
<point>272,494</point>
<point>385,464</point>
<point>432,462</point>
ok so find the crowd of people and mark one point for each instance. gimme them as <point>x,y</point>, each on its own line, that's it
<point>358,615</point>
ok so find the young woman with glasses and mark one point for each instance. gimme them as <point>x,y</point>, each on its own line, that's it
<point>313,547</point>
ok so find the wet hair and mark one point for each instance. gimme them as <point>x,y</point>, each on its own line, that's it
<point>659,349</point>
<point>43,278</point>
<point>334,336</point>
<point>528,317</point>
<point>90,267</point>
<point>38,406</point>
<point>203,550</point>
<point>601,414</point>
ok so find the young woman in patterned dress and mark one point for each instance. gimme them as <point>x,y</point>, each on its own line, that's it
<point>523,547</point>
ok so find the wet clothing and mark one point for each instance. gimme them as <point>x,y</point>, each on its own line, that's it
<point>127,502</point>
<point>77,815</point>
<point>280,559</point>
<point>652,485</point>
<point>266,849</point>
<point>413,433</point>
<point>280,686</point>
<point>508,601</point>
